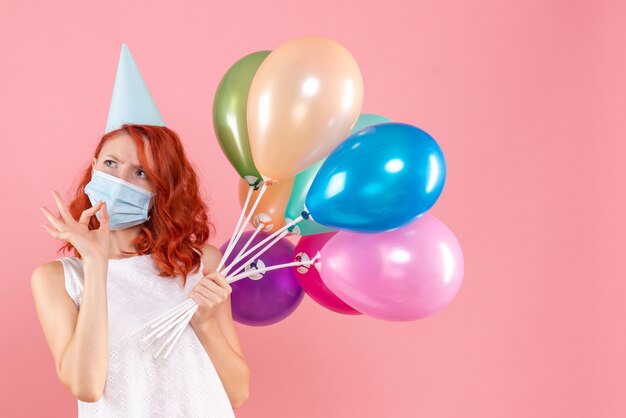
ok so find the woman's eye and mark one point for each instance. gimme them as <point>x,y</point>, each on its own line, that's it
<point>139,173</point>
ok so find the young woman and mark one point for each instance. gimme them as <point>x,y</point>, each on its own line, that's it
<point>134,258</point>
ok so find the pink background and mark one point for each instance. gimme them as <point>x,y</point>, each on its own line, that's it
<point>526,98</point>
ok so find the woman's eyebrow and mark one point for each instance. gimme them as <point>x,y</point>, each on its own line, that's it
<point>113,156</point>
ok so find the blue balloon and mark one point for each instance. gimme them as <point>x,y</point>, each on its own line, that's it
<point>378,179</point>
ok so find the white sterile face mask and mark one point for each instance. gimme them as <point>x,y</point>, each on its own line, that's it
<point>127,204</point>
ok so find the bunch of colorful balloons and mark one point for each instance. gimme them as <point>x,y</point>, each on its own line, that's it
<point>355,187</point>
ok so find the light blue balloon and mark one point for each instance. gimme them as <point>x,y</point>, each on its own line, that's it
<point>368,119</point>
<point>295,206</point>
<point>378,179</point>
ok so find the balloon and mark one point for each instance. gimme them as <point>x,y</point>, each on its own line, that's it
<point>303,182</point>
<point>303,101</point>
<point>368,119</point>
<point>271,208</point>
<point>400,275</point>
<point>309,277</point>
<point>229,115</point>
<point>295,206</point>
<point>269,297</point>
<point>378,179</point>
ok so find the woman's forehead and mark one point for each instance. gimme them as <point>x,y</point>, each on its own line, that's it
<point>123,148</point>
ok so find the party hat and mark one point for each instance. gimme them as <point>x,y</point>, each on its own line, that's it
<point>131,101</point>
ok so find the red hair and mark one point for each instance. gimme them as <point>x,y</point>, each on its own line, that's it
<point>178,225</point>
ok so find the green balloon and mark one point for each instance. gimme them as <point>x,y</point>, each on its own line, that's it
<point>230,115</point>
<point>304,179</point>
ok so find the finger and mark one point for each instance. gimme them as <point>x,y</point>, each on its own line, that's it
<point>55,221</point>
<point>104,216</point>
<point>49,230</point>
<point>221,281</point>
<point>63,210</point>
<point>211,288</point>
<point>203,304</point>
<point>208,287</point>
<point>95,207</point>
<point>55,234</point>
<point>211,283</point>
<point>205,285</point>
<point>202,298</point>
<point>88,213</point>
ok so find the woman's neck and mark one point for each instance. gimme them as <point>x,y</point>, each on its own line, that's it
<point>121,245</point>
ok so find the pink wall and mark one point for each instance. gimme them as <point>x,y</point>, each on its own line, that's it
<point>527,101</point>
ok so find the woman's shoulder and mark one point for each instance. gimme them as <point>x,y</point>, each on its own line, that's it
<point>211,250</point>
<point>211,255</point>
<point>47,275</point>
<point>49,269</point>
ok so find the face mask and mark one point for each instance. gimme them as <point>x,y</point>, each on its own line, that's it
<point>127,204</point>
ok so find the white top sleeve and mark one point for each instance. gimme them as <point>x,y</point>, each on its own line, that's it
<point>74,280</point>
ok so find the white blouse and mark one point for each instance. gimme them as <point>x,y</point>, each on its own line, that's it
<point>185,384</point>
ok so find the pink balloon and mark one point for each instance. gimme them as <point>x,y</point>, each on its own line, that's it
<point>400,275</point>
<point>309,277</point>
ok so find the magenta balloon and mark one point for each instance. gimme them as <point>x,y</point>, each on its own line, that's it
<point>399,275</point>
<point>309,277</point>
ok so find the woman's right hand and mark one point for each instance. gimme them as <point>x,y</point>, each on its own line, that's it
<point>91,244</point>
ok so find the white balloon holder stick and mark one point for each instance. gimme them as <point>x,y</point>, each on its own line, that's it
<point>178,317</point>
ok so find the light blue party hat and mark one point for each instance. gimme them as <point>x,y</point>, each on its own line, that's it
<point>131,101</point>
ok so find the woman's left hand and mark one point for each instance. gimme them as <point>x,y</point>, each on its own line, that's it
<point>210,293</point>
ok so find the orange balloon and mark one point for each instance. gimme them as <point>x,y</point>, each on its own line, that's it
<point>303,101</point>
<point>271,208</point>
